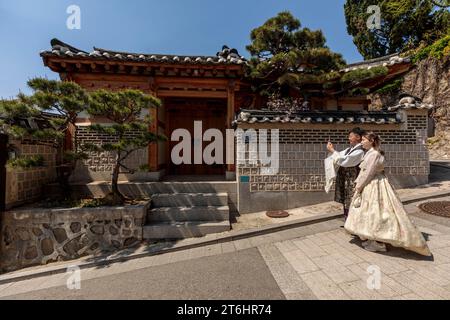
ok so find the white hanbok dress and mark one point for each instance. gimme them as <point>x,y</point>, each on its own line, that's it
<point>381,215</point>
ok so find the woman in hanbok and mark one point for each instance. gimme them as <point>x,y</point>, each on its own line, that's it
<point>376,213</point>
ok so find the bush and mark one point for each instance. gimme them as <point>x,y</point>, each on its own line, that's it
<point>438,50</point>
<point>356,76</point>
<point>391,87</point>
<point>359,92</point>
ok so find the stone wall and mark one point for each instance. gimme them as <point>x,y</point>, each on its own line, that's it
<point>38,236</point>
<point>24,185</point>
<point>302,149</point>
<point>429,81</point>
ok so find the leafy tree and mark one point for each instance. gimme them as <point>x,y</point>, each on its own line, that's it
<point>55,105</point>
<point>404,24</point>
<point>128,128</point>
<point>286,56</point>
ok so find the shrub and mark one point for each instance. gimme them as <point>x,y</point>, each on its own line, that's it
<point>359,75</point>
<point>359,91</point>
<point>438,50</point>
<point>391,87</point>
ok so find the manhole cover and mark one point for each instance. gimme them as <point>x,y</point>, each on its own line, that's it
<point>277,214</point>
<point>438,208</point>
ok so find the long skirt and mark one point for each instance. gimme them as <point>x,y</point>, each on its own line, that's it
<point>345,185</point>
<point>382,217</point>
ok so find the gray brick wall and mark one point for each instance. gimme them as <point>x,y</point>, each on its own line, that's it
<point>99,165</point>
<point>340,136</point>
<point>302,153</point>
<point>23,184</point>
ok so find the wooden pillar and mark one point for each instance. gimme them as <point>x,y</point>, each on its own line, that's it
<point>153,147</point>
<point>230,115</point>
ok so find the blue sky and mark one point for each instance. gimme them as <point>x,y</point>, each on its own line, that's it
<point>148,26</point>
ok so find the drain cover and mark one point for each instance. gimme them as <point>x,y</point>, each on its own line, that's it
<point>277,214</point>
<point>437,208</point>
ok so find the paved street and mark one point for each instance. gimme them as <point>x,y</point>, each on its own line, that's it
<point>319,261</point>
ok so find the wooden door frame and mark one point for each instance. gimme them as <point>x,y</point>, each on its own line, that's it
<point>168,123</point>
<point>3,160</point>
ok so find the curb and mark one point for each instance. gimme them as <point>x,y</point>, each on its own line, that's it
<point>231,236</point>
<point>412,199</point>
<point>440,165</point>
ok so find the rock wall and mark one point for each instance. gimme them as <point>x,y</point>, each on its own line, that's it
<point>429,80</point>
<point>38,236</point>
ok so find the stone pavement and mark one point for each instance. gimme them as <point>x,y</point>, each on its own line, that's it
<point>319,261</point>
<point>439,182</point>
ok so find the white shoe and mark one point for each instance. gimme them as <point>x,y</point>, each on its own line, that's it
<point>374,246</point>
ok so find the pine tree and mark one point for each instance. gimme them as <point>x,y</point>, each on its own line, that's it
<point>286,56</point>
<point>129,129</point>
<point>56,105</point>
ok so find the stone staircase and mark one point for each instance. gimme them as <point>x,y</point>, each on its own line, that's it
<point>182,210</point>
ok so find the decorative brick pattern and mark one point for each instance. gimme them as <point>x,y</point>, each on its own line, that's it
<point>104,161</point>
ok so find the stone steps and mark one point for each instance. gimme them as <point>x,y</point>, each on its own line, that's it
<point>183,214</point>
<point>189,199</point>
<point>189,187</point>
<point>138,190</point>
<point>180,215</point>
<point>182,230</point>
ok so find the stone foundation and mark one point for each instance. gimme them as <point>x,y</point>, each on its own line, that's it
<point>38,236</point>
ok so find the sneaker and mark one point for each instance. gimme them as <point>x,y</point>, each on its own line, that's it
<point>365,243</point>
<point>374,246</point>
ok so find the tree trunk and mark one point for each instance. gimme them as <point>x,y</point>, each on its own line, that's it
<point>117,197</point>
<point>63,173</point>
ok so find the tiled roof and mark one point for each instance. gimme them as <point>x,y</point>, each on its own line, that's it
<point>383,61</point>
<point>225,56</point>
<point>42,122</point>
<point>410,102</point>
<point>325,117</point>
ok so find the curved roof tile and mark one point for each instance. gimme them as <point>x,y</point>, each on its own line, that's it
<point>226,56</point>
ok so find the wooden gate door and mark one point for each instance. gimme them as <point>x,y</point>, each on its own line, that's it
<point>183,117</point>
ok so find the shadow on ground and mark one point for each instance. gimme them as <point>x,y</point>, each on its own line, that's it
<point>398,252</point>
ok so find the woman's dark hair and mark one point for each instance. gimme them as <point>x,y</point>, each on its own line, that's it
<point>358,131</point>
<point>375,139</point>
